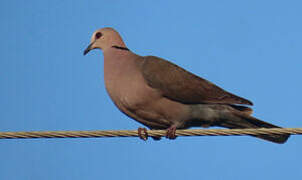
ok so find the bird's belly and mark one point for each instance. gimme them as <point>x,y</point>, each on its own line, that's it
<point>163,113</point>
<point>145,104</point>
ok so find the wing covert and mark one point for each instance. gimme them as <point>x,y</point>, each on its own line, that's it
<point>180,85</point>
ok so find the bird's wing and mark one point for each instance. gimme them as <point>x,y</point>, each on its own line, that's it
<point>180,85</point>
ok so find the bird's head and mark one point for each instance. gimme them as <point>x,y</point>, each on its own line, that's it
<point>103,39</point>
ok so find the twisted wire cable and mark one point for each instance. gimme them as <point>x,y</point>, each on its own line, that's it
<point>151,133</point>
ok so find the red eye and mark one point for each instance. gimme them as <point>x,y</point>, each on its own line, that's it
<point>98,35</point>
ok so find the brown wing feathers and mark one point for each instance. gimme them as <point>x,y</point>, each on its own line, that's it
<point>180,85</point>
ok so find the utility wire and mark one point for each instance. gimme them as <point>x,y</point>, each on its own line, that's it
<point>151,133</point>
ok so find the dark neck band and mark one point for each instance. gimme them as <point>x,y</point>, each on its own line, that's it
<point>122,48</point>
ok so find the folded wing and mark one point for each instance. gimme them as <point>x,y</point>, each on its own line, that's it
<point>180,85</point>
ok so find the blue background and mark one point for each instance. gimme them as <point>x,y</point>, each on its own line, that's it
<point>250,48</point>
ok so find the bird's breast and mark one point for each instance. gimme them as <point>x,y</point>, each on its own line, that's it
<point>128,89</point>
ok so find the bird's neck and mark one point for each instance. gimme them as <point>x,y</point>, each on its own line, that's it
<point>118,62</point>
<point>120,68</point>
<point>116,57</point>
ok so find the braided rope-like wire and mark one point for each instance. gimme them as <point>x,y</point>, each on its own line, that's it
<point>157,133</point>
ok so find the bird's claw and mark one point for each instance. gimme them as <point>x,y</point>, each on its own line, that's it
<point>171,132</point>
<point>142,136</point>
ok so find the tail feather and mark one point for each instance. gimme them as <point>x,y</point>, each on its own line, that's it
<point>241,120</point>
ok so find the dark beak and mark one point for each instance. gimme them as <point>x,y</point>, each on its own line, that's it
<point>88,49</point>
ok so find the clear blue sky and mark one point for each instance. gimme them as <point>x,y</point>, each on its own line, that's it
<point>250,48</point>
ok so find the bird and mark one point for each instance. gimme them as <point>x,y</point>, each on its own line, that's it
<point>163,96</point>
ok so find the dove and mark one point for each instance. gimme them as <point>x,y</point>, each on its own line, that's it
<point>163,96</point>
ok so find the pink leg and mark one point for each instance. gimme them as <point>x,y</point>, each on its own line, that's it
<point>142,136</point>
<point>171,132</point>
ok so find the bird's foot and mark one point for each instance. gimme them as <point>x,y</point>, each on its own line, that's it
<point>142,136</point>
<point>171,132</point>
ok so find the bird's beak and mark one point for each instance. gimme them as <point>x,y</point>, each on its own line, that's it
<point>88,49</point>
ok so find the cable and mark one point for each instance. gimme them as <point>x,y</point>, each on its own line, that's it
<point>155,133</point>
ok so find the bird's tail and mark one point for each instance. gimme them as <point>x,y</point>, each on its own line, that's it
<point>242,120</point>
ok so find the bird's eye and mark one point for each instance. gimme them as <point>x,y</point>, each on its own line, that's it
<point>98,35</point>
